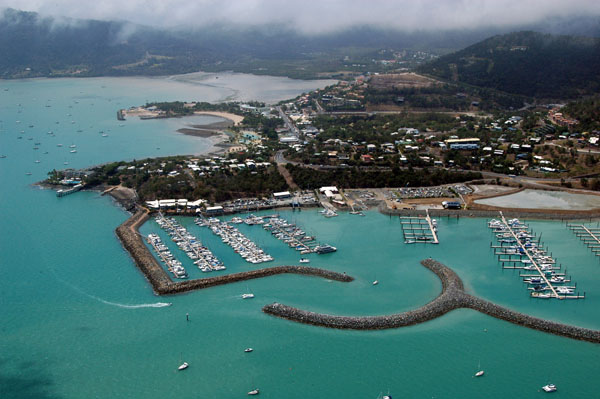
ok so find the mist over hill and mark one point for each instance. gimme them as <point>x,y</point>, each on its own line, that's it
<point>33,45</point>
<point>527,63</point>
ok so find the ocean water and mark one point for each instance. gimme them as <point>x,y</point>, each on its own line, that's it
<point>80,321</point>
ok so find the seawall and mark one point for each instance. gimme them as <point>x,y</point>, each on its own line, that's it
<point>452,297</point>
<point>493,213</point>
<point>162,283</point>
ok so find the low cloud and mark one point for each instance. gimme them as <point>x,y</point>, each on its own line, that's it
<point>314,16</point>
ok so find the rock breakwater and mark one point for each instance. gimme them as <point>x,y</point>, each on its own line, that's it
<point>163,285</point>
<point>452,297</point>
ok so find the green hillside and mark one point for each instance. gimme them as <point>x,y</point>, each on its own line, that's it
<point>527,63</point>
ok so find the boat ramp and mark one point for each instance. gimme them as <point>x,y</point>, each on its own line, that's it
<point>417,229</point>
<point>518,249</point>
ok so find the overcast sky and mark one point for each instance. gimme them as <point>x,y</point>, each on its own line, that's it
<point>317,16</point>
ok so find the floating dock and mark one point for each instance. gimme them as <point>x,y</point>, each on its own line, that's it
<point>524,254</point>
<point>590,236</point>
<point>417,229</point>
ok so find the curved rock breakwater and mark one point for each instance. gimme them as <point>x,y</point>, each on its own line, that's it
<point>161,282</point>
<point>452,297</point>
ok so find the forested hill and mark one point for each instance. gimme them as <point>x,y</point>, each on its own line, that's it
<point>527,63</point>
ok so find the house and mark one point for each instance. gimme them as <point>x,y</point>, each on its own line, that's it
<point>282,195</point>
<point>463,144</point>
<point>366,158</point>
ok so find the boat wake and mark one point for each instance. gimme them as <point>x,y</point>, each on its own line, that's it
<point>142,305</point>
<point>120,305</point>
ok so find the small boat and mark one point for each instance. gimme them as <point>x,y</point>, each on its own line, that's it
<point>37,161</point>
<point>73,151</point>
<point>549,388</point>
<point>375,282</point>
<point>304,260</point>
<point>183,366</point>
<point>28,173</point>
<point>248,350</point>
<point>254,392</point>
<point>247,296</point>
<point>479,373</point>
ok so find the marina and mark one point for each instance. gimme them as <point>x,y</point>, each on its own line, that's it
<point>172,264</point>
<point>193,248</point>
<point>292,235</point>
<point>521,251</point>
<point>231,236</point>
<point>590,236</point>
<point>417,229</point>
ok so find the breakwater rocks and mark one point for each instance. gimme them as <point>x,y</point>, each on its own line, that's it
<point>162,283</point>
<point>452,297</point>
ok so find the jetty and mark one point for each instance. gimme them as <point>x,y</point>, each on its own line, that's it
<point>452,297</point>
<point>417,229</point>
<point>291,234</point>
<point>74,189</point>
<point>202,256</point>
<point>522,250</point>
<point>590,236</point>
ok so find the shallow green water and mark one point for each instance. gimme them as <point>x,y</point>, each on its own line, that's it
<point>67,289</point>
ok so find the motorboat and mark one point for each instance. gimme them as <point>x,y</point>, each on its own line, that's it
<point>254,392</point>
<point>549,388</point>
<point>479,373</point>
<point>183,366</point>
<point>247,296</point>
<point>375,282</point>
<point>304,260</point>
<point>248,350</point>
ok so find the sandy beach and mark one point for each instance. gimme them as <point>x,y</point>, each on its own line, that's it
<point>236,119</point>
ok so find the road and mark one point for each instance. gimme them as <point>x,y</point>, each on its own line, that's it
<point>288,123</point>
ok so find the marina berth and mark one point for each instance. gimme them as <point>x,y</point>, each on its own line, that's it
<point>231,236</point>
<point>193,248</point>
<point>292,235</point>
<point>524,252</point>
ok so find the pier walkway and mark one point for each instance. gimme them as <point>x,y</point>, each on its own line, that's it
<point>419,229</point>
<point>528,254</point>
<point>589,236</point>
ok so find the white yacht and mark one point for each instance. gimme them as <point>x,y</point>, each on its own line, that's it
<point>375,282</point>
<point>248,350</point>
<point>479,373</point>
<point>304,260</point>
<point>247,296</point>
<point>183,366</point>
<point>254,392</point>
<point>549,388</point>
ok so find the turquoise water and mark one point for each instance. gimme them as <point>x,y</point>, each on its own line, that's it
<point>78,318</point>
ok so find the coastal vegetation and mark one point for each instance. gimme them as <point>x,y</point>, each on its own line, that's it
<point>308,178</point>
<point>180,108</point>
